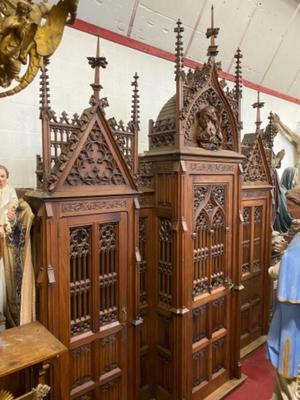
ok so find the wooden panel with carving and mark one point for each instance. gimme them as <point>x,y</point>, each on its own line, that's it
<point>97,304</point>
<point>254,269</point>
<point>145,300</point>
<point>80,280</point>
<point>81,367</point>
<point>212,275</point>
<point>209,238</point>
<point>165,262</point>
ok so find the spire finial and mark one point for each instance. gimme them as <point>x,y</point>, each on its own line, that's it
<point>96,63</point>
<point>238,74</point>
<point>270,132</point>
<point>135,107</point>
<point>212,33</point>
<point>258,105</point>
<point>44,87</point>
<point>178,49</point>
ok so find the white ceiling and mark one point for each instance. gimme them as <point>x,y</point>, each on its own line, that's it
<point>267,31</point>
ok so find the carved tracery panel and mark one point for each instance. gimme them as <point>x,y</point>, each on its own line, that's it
<point>95,164</point>
<point>143,262</point>
<point>255,169</point>
<point>80,279</point>
<point>81,366</point>
<point>165,266</point>
<point>209,238</point>
<point>108,277</point>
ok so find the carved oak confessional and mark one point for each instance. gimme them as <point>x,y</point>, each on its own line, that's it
<point>141,261</point>
<point>256,215</point>
<point>86,244</point>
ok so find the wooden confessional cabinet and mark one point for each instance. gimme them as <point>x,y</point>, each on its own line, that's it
<point>141,260</point>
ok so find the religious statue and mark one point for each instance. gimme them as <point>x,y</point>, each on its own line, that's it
<point>24,40</point>
<point>17,280</point>
<point>208,129</point>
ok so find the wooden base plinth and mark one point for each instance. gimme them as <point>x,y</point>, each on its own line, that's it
<point>225,389</point>
<point>253,346</point>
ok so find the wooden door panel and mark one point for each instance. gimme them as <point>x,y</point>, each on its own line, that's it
<point>252,270</point>
<point>212,256</point>
<point>97,304</point>
<point>81,368</point>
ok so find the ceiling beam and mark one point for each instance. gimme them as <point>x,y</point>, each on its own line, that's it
<point>283,36</point>
<point>187,49</point>
<point>132,18</point>
<point>154,51</point>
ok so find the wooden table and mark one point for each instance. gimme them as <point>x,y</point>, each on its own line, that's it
<point>25,346</point>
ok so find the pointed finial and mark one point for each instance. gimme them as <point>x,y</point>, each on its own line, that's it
<point>135,107</point>
<point>178,49</point>
<point>44,88</point>
<point>96,63</point>
<point>212,33</point>
<point>258,105</point>
<point>270,132</point>
<point>238,74</point>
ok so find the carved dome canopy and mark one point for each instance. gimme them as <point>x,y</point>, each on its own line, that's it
<point>162,132</point>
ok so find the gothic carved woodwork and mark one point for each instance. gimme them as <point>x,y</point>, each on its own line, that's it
<point>208,130</point>
<point>165,265</point>
<point>144,288</point>
<point>256,164</point>
<point>95,164</point>
<point>209,238</point>
<point>87,244</point>
<point>256,243</point>
<point>189,197</point>
<point>212,221</point>
<point>255,239</point>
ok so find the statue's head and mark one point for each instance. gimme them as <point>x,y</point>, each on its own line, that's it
<point>23,7</point>
<point>4,174</point>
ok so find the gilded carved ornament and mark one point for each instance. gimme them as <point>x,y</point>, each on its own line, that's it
<point>26,39</point>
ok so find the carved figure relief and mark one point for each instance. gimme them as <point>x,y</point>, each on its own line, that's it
<point>208,130</point>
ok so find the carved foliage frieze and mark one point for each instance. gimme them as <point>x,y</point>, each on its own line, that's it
<point>88,206</point>
<point>210,168</point>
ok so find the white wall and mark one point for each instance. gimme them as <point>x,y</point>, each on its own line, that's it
<point>70,76</point>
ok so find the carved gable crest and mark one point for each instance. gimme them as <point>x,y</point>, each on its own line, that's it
<point>90,158</point>
<point>209,117</point>
<point>95,164</point>
<point>255,165</point>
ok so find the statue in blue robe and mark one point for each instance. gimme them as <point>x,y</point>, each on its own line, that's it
<point>283,342</point>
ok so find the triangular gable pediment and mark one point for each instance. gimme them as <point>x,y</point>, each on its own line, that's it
<point>92,160</point>
<point>209,116</point>
<point>255,166</point>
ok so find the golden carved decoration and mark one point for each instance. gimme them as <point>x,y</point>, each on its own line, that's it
<point>25,40</point>
<point>6,395</point>
<point>38,393</point>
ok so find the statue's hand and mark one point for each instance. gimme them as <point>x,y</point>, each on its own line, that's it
<point>11,215</point>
